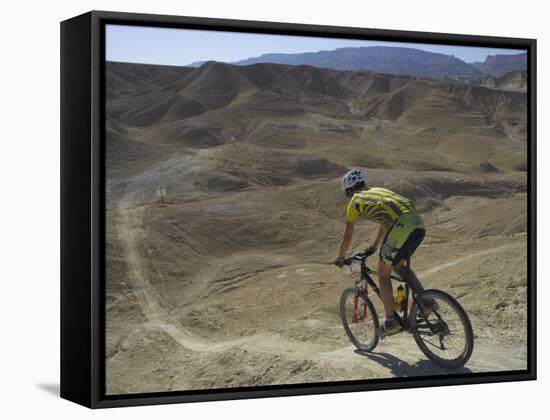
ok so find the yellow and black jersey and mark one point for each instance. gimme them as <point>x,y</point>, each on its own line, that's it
<point>379,205</point>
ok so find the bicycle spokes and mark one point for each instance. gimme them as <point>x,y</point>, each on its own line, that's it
<point>442,331</point>
<point>360,320</point>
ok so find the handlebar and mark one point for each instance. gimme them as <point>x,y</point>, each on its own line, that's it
<point>362,256</point>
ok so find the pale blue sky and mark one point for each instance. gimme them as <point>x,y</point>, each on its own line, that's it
<point>180,47</point>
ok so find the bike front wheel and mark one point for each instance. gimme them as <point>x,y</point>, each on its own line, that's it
<point>359,319</point>
<point>442,330</point>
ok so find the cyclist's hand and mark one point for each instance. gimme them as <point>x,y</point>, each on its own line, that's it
<point>371,250</point>
<point>340,262</point>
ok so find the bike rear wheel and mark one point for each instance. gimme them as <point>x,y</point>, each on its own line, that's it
<point>445,335</point>
<point>360,321</point>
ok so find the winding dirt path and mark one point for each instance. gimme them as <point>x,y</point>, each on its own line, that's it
<point>460,260</point>
<point>130,232</point>
<point>395,356</point>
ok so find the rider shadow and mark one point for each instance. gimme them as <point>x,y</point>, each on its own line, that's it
<point>401,368</point>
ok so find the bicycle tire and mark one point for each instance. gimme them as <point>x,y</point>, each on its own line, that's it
<point>463,358</point>
<point>370,307</point>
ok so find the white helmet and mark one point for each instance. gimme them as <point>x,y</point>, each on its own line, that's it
<point>352,178</point>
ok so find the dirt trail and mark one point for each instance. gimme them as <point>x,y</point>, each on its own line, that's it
<point>442,267</point>
<point>395,356</point>
<point>130,229</point>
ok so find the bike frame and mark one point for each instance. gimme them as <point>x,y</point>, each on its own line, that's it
<point>425,328</point>
<point>369,281</point>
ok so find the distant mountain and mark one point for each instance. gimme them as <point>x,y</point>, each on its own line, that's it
<point>196,63</point>
<point>500,64</point>
<point>389,60</point>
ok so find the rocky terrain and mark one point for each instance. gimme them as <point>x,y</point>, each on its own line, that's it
<point>226,282</point>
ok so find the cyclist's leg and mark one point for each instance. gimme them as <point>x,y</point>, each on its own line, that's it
<point>390,326</point>
<point>408,275</point>
<point>386,289</point>
<point>384,273</point>
<point>401,242</point>
<point>407,249</point>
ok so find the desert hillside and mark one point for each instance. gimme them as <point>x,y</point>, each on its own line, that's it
<point>227,284</point>
<point>512,81</point>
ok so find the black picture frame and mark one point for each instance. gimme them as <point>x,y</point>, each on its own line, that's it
<point>83,204</point>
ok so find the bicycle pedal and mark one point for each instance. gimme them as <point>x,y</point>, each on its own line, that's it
<point>381,333</point>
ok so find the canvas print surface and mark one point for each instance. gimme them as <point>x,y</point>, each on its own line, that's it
<point>236,163</point>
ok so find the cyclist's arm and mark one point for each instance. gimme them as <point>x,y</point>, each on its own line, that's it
<point>380,236</point>
<point>346,241</point>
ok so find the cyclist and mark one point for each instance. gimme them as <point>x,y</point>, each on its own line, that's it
<point>400,233</point>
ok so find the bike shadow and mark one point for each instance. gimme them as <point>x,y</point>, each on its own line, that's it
<point>401,368</point>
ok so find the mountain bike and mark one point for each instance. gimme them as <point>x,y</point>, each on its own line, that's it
<point>442,331</point>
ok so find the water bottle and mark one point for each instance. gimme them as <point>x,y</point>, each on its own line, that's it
<point>399,299</point>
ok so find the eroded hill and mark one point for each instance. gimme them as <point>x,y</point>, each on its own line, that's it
<point>227,283</point>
